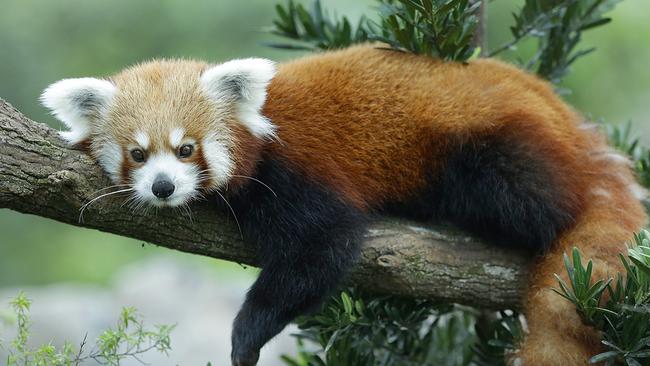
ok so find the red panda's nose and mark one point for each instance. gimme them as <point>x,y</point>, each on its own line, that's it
<point>162,187</point>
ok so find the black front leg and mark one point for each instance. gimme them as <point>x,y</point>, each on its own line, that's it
<point>307,238</point>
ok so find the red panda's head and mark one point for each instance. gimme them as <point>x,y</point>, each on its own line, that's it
<point>168,129</point>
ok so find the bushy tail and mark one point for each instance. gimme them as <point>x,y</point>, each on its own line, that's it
<point>612,214</point>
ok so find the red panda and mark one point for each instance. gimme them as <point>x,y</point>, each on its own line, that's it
<point>307,152</point>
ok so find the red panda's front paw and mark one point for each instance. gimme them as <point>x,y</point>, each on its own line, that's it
<point>245,358</point>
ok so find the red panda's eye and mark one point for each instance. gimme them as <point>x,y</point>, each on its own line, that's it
<point>137,155</point>
<point>185,151</point>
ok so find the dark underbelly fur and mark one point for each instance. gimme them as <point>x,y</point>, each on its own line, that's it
<point>500,191</point>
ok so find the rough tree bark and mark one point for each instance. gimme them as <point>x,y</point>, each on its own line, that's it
<point>40,175</point>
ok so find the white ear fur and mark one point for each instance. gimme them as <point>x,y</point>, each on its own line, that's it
<point>243,82</point>
<point>75,101</point>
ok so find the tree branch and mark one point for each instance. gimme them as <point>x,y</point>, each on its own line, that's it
<point>40,175</point>
<point>480,35</point>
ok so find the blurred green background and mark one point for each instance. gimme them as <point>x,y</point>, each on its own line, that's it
<point>42,41</point>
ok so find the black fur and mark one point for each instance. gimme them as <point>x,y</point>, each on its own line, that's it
<point>306,239</point>
<point>497,188</point>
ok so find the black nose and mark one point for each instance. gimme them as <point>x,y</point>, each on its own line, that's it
<point>162,188</point>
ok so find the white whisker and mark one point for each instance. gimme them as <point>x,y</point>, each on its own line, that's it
<point>86,205</point>
<point>233,213</point>
<point>109,187</point>
<point>188,211</point>
<point>240,176</point>
<point>128,200</point>
<point>258,181</point>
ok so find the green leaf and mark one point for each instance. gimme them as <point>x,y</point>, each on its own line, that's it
<point>347,303</point>
<point>595,23</point>
<point>604,356</point>
<point>632,362</point>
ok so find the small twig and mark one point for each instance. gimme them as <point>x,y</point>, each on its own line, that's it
<point>81,348</point>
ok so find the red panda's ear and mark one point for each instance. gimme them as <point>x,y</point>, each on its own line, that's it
<point>242,82</point>
<point>76,103</point>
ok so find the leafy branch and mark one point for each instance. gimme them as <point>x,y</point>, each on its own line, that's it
<point>437,28</point>
<point>557,25</point>
<point>314,29</point>
<point>357,329</point>
<point>445,29</point>
<point>129,339</point>
<point>623,315</point>
<point>497,336</point>
<point>620,137</point>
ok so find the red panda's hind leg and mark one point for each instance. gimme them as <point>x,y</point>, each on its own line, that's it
<point>506,189</point>
<point>504,186</point>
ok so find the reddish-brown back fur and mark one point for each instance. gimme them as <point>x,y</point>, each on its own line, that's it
<point>370,122</point>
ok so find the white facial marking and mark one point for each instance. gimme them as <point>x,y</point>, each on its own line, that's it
<point>75,102</point>
<point>109,156</point>
<point>219,160</point>
<point>176,136</point>
<point>243,82</point>
<point>184,177</point>
<point>142,139</point>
